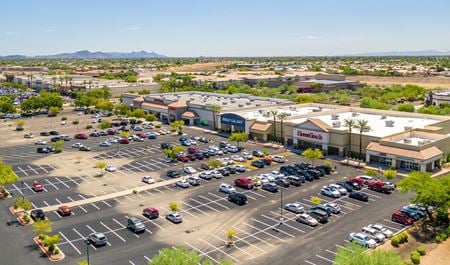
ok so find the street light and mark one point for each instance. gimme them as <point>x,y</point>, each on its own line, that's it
<point>23,195</point>
<point>281,211</point>
<point>87,249</point>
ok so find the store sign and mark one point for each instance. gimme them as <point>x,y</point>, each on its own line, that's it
<point>311,136</point>
<point>232,119</point>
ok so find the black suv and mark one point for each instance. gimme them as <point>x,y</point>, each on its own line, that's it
<point>319,215</point>
<point>282,182</point>
<point>172,174</point>
<point>238,198</point>
<point>53,133</point>
<point>259,163</point>
<point>166,146</point>
<point>322,208</point>
<point>42,150</point>
<point>37,214</point>
<point>316,174</point>
<point>327,169</point>
<point>359,196</point>
<point>272,187</point>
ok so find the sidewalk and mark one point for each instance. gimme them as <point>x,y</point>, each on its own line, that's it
<point>111,195</point>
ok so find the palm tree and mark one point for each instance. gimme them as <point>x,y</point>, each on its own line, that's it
<point>361,126</point>
<point>215,109</point>
<point>282,116</point>
<point>274,114</point>
<point>350,124</point>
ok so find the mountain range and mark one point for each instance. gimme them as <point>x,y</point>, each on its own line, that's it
<point>85,54</point>
<point>405,53</point>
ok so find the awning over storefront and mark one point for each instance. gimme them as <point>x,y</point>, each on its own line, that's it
<point>260,127</point>
<point>189,115</point>
<point>153,106</point>
<point>419,155</point>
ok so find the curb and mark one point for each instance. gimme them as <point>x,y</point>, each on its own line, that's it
<point>49,256</point>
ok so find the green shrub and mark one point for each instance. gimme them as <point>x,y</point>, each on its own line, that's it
<point>135,191</point>
<point>439,239</point>
<point>27,219</point>
<point>421,250</point>
<point>56,251</point>
<point>63,118</point>
<point>51,248</point>
<point>88,127</point>
<point>158,126</point>
<point>442,217</point>
<point>395,241</point>
<point>403,237</point>
<point>415,257</point>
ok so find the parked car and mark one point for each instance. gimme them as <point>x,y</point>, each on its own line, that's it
<point>379,186</point>
<point>341,190</point>
<point>362,239</point>
<point>366,179</point>
<point>306,219</point>
<point>237,158</point>
<point>135,225</point>
<point>28,135</point>
<point>238,198</point>
<point>360,196</point>
<point>193,181</point>
<point>244,183</point>
<point>334,207</point>
<point>174,217</point>
<point>183,184</point>
<point>37,186</point>
<point>37,214</point>
<point>411,213</point>
<point>42,150</point>
<point>226,188</point>
<point>282,182</point>
<point>148,180</point>
<point>246,155</point>
<point>258,163</point>
<point>124,141</point>
<point>359,181</point>
<point>353,184</point>
<point>330,192</point>
<point>271,187</point>
<point>294,207</point>
<point>64,210</point>
<point>321,207</point>
<point>373,234</point>
<point>44,133</point>
<point>402,218</point>
<point>295,181</point>
<point>381,229</point>
<point>278,158</point>
<point>240,168</point>
<point>258,153</point>
<point>77,145</point>
<point>206,175</point>
<point>411,209</point>
<point>84,148</point>
<point>110,168</point>
<point>319,215</point>
<point>40,142</point>
<point>151,213</point>
<point>81,136</point>
<point>98,239</point>
<point>345,185</point>
<point>105,144</point>
<point>189,170</point>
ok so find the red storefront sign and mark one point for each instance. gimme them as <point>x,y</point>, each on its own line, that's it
<point>309,135</point>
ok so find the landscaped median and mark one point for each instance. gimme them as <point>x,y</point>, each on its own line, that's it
<point>52,251</point>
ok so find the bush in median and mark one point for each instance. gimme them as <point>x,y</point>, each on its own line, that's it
<point>395,241</point>
<point>421,250</point>
<point>415,257</point>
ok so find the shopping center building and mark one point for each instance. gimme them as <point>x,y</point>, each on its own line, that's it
<point>409,141</point>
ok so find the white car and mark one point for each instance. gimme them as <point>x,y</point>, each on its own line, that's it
<point>105,144</point>
<point>63,122</point>
<point>40,142</point>
<point>278,158</point>
<point>77,145</point>
<point>278,174</point>
<point>374,234</point>
<point>362,239</point>
<point>183,183</point>
<point>232,149</point>
<point>111,168</point>
<point>190,170</point>
<point>216,174</point>
<point>228,160</point>
<point>240,168</point>
<point>306,219</point>
<point>174,217</point>
<point>226,188</point>
<point>193,181</point>
<point>366,178</point>
<point>330,192</point>
<point>148,180</point>
<point>247,156</point>
<point>112,140</point>
<point>381,229</point>
<point>237,158</point>
<point>339,188</point>
<point>294,207</point>
<point>269,177</point>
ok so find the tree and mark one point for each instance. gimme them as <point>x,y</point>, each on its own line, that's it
<point>151,117</point>
<point>230,233</point>
<point>7,175</point>
<point>354,254</point>
<point>122,110</point>
<point>58,146</point>
<point>214,163</point>
<point>372,172</point>
<point>104,105</point>
<point>19,124</point>
<point>42,227</point>
<point>22,203</point>
<point>274,115</point>
<point>361,126</point>
<point>54,110</point>
<point>390,174</point>
<point>282,116</point>
<point>429,191</point>
<point>215,109</point>
<point>315,200</point>
<point>138,113</point>
<point>6,105</point>
<point>350,124</point>
<point>174,206</point>
<point>405,107</point>
<point>104,124</point>
<point>124,134</point>
<point>180,255</point>
<point>178,125</point>
<point>238,137</point>
<point>172,152</point>
<point>101,165</point>
<point>313,154</point>
<point>51,241</point>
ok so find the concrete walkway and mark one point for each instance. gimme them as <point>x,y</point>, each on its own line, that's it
<point>111,195</point>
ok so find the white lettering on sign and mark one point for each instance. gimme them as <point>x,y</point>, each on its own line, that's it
<point>233,121</point>
<point>311,135</point>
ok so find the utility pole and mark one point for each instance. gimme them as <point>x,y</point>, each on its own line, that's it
<point>87,250</point>
<point>23,195</point>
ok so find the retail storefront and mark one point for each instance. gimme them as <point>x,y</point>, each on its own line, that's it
<point>230,122</point>
<point>310,135</point>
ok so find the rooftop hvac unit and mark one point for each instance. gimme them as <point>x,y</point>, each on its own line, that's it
<point>240,105</point>
<point>426,141</point>
<point>407,141</point>
<point>419,142</point>
<point>389,123</point>
<point>336,124</point>
<point>317,110</point>
<point>258,105</point>
<point>233,101</point>
<point>355,114</point>
<point>407,128</point>
<point>224,103</point>
<point>334,116</point>
<point>248,103</point>
<point>383,117</point>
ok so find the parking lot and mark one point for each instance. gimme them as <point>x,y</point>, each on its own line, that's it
<point>207,213</point>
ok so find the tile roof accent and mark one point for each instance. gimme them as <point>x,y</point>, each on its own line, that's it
<point>420,155</point>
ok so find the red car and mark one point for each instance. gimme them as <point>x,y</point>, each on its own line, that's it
<point>267,160</point>
<point>184,159</point>
<point>402,218</point>
<point>64,210</point>
<point>379,186</point>
<point>81,136</point>
<point>124,141</point>
<point>141,135</point>
<point>357,180</point>
<point>193,150</point>
<point>37,186</point>
<point>151,213</point>
<point>244,183</point>
<point>111,132</point>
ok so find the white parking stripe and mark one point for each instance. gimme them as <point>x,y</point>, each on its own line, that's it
<point>332,261</point>
<point>238,248</point>
<point>81,236</point>
<point>251,235</point>
<point>223,206</point>
<point>273,226</point>
<point>19,190</point>
<point>202,204</point>
<point>28,187</point>
<point>67,186</point>
<point>309,262</point>
<point>70,243</point>
<point>190,207</point>
<point>329,251</point>
<point>53,185</point>
<point>95,206</point>
<point>121,225</point>
<point>45,170</point>
<point>107,204</point>
<point>218,249</point>
<point>32,169</point>
<point>112,231</point>
<point>263,231</point>
<point>285,223</point>
<point>23,171</point>
<point>201,252</point>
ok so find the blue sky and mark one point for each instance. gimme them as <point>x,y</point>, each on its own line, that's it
<point>224,27</point>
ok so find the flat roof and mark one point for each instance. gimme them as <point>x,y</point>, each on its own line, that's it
<point>328,82</point>
<point>416,141</point>
<point>380,125</point>
<point>264,114</point>
<point>226,101</point>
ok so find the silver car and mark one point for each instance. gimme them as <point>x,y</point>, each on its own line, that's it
<point>306,219</point>
<point>174,217</point>
<point>374,234</point>
<point>381,229</point>
<point>294,207</point>
<point>98,239</point>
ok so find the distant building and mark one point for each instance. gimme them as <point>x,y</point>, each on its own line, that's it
<point>436,98</point>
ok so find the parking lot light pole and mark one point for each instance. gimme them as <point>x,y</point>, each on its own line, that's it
<point>23,195</point>
<point>281,205</point>
<point>87,250</point>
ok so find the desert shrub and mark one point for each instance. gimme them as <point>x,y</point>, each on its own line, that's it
<point>51,248</point>
<point>26,218</point>
<point>442,217</point>
<point>88,127</point>
<point>158,126</point>
<point>135,191</point>
<point>415,257</point>
<point>421,250</point>
<point>56,251</point>
<point>395,241</point>
<point>403,237</point>
<point>63,118</point>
